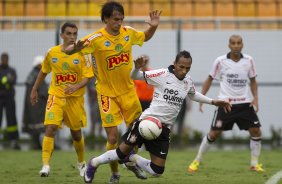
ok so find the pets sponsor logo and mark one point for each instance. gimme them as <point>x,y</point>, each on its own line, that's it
<point>66,78</point>
<point>118,60</point>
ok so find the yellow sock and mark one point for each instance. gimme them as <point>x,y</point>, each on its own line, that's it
<point>47,149</point>
<point>114,164</point>
<point>79,148</point>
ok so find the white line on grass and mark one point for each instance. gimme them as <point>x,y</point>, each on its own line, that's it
<point>275,178</point>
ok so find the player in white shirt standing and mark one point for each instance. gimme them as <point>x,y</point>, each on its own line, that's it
<point>171,86</point>
<point>234,71</point>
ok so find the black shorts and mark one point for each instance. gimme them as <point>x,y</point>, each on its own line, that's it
<point>243,115</point>
<point>158,147</point>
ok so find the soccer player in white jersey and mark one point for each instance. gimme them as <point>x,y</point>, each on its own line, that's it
<point>234,71</point>
<point>171,86</point>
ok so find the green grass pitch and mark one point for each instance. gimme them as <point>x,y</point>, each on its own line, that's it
<point>226,167</point>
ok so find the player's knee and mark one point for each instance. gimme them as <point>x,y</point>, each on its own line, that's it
<point>120,154</point>
<point>158,170</point>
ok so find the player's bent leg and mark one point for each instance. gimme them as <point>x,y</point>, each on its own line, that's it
<point>147,165</point>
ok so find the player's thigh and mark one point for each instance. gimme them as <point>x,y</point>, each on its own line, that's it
<point>160,146</point>
<point>54,111</point>
<point>222,121</point>
<point>74,113</point>
<point>130,106</point>
<point>247,118</point>
<point>109,111</point>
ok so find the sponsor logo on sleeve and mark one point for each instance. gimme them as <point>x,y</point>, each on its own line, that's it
<point>154,74</point>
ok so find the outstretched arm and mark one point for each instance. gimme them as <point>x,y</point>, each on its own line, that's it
<point>205,88</point>
<point>198,97</point>
<point>140,62</point>
<point>153,24</point>
<point>76,47</point>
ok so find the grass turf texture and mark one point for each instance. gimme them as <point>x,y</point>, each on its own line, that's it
<point>230,167</point>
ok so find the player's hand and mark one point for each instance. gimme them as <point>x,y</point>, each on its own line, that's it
<point>33,97</point>
<point>201,107</point>
<point>220,103</point>
<point>141,61</point>
<point>76,47</point>
<point>70,88</point>
<point>255,105</point>
<point>154,18</point>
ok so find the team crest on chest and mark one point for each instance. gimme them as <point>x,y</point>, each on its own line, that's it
<point>65,66</point>
<point>118,48</point>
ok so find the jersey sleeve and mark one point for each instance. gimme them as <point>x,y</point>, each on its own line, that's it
<point>191,86</point>
<point>137,37</point>
<point>90,43</point>
<point>252,72</point>
<point>155,77</point>
<point>215,70</point>
<point>46,68</point>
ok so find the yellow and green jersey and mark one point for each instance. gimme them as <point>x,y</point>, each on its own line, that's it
<point>66,69</point>
<point>112,59</point>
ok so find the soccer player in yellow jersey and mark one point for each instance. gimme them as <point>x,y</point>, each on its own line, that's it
<point>70,73</point>
<point>111,49</point>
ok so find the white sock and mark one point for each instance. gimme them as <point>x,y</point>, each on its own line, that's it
<point>143,163</point>
<point>107,157</point>
<point>204,147</point>
<point>255,145</point>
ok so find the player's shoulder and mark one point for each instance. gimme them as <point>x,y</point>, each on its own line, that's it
<point>128,29</point>
<point>188,78</point>
<point>54,49</point>
<point>222,57</point>
<point>94,36</point>
<point>246,56</point>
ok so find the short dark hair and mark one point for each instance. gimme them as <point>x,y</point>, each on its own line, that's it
<point>109,7</point>
<point>67,24</point>
<point>184,54</point>
<point>5,54</point>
